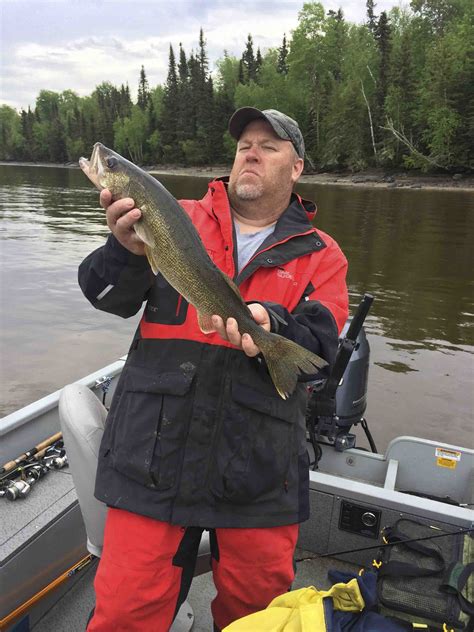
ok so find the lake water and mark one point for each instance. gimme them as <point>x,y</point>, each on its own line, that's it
<point>412,249</point>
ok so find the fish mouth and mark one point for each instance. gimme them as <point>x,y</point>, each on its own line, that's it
<point>95,167</point>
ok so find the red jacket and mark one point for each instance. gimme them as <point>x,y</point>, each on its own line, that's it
<point>197,434</point>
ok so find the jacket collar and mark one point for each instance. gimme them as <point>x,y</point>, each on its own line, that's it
<point>294,235</point>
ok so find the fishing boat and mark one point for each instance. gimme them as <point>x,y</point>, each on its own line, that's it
<point>48,548</point>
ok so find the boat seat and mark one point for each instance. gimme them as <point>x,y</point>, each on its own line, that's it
<point>82,417</point>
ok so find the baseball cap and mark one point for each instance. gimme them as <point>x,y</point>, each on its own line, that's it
<point>283,126</point>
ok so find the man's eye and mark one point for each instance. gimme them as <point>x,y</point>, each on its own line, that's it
<point>244,147</point>
<point>270,147</point>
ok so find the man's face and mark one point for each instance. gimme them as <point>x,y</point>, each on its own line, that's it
<point>263,163</point>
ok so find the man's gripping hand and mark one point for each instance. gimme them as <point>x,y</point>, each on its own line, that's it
<point>121,216</point>
<point>230,330</point>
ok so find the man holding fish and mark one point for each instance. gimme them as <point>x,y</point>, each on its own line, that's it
<point>244,302</point>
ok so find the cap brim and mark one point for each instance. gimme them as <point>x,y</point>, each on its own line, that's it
<point>241,118</point>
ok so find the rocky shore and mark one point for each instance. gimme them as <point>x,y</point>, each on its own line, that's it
<point>370,178</point>
<point>373,178</point>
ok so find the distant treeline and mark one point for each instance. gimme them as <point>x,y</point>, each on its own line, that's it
<point>397,91</point>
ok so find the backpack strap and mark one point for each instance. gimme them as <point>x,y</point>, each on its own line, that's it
<point>454,582</point>
<point>395,536</point>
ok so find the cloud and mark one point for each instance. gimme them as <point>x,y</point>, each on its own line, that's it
<point>80,65</point>
<point>70,46</point>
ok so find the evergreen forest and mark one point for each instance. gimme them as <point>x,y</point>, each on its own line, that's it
<point>394,92</point>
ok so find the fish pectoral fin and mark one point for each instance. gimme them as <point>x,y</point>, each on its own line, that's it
<point>205,323</point>
<point>152,260</point>
<point>144,233</point>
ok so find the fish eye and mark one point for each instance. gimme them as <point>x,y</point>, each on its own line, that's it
<point>111,162</point>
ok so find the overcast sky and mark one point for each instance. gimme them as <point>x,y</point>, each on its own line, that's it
<point>77,44</point>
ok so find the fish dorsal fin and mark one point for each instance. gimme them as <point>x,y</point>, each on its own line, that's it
<point>144,232</point>
<point>152,260</point>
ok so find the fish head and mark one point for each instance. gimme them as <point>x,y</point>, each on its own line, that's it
<point>107,170</point>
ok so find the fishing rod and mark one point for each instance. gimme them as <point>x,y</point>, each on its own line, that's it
<point>19,475</point>
<point>11,465</point>
<point>85,561</point>
<point>385,544</point>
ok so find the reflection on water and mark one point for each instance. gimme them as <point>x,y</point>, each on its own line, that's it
<point>412,249</point>
<point>397,367</point>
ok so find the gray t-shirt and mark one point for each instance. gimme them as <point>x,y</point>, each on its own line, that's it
<point>247,243</point>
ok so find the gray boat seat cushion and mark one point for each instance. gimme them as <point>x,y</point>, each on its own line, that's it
<point>82,418</point>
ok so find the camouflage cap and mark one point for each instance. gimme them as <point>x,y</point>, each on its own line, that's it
<point>283,126</point>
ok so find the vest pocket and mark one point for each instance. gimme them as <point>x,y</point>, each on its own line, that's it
<point>149,424</point>
<point>255,446</point>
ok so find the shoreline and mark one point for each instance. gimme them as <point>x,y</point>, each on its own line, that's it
<point>371,178</point>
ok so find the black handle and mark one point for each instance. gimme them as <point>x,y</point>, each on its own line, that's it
<point>359,317</point>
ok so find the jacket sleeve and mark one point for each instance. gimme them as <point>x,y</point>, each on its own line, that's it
<point>115,280</point>
<point>319,317</point>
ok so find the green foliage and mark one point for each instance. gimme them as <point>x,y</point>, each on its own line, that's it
<point>10,133</point>
<point>131,134</point>
<point>395,91</point>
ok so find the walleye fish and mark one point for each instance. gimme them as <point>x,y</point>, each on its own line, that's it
<point>173,248</point>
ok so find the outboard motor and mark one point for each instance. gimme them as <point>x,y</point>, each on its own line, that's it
<point>351,393</point>
<point>339,402</point>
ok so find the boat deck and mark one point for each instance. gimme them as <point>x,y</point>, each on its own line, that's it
<point>70,614</point>
<point>38,541</point>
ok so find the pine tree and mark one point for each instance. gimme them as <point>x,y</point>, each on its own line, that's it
<point>203,97</point>
<point>125,101</point>
<point>258,64</point>
<point>168,123</point>
<point>183,72</point>
<point>203,63</point>
<point>371,17</point>
<point>248,62</point>
<point>143,91</point>
<point>241,72</point>
<point>282,64</point>
<point>186,124</point>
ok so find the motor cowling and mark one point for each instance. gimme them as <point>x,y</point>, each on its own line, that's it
<point>351,393</point>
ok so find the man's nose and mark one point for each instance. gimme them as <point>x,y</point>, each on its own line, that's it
<point>252,154</point>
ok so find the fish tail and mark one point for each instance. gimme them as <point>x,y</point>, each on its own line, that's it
<point>286,360</point>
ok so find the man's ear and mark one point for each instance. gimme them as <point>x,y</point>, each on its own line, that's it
<point>297,169</point>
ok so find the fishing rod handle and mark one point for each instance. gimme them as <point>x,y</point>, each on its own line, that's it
<point>359,317</point>
<point>11,465</point>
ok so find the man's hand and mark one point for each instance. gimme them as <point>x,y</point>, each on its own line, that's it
<point>230,331</point>
<point>121,216</point>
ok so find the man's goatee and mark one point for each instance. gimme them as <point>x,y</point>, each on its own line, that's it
<point>249,191</point>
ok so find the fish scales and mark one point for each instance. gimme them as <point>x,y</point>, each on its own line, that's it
<point>174,249</point>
